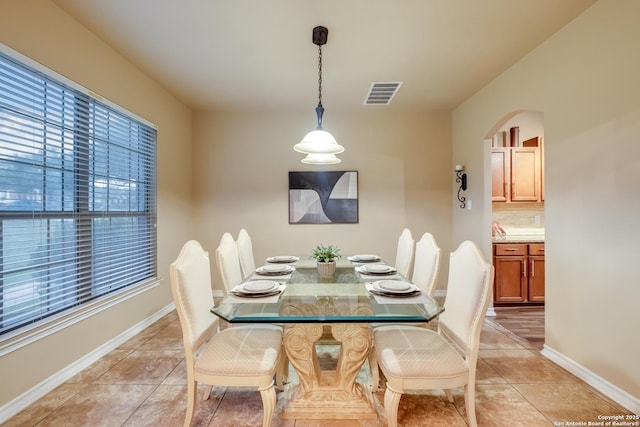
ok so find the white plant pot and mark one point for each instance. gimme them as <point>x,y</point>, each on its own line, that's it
<point>326,269</point>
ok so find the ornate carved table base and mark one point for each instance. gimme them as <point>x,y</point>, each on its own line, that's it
<point>323,394</point>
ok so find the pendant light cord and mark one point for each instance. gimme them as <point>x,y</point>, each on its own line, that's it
<point>320,75</point>
<point>319,108</point>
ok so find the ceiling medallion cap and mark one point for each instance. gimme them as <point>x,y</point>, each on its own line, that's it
<point>318,142</point>
<point>320,35</point>
<point>321,159</point>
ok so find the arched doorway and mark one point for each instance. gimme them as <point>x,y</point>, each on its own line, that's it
<point>517,207</point>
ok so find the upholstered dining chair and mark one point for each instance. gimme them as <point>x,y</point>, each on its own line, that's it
<point>426,264</point>
<point>426,268</point>
<point>414,358</point>
<point>243,356</point>
<point>404,253</point>
<point>245,253</point>
<point>228,262</point>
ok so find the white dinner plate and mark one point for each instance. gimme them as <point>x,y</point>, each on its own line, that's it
<point>365,257</point>
<point>393,286</point>
<point>376,268</point>
<point>274,269</point>
<point>283,258</point>
<point>271,268</point>
<point>258,286</point>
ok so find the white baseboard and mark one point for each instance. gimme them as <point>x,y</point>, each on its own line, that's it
<point>37,392</point>
<point>613,392</point>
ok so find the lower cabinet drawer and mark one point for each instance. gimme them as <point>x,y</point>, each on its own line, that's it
<point>511,249</point>
<point>536,248</point>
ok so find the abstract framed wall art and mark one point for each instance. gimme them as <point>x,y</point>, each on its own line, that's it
<point>329,197</point>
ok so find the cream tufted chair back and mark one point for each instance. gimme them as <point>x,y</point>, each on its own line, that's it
<point>404,253</point>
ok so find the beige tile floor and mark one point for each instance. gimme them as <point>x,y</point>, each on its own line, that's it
<point>142,383</point>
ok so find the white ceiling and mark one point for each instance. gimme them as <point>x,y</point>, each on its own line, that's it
<point>240,54</point>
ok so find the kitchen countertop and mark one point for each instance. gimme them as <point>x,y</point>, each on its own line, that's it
<point>521,235</point>
<point>521,238</point>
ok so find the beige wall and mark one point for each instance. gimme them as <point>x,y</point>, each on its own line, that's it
<point>404,169</point>
<point>41,31</point>
<point>585,81</point>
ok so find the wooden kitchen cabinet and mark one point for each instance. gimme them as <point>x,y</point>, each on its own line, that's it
<point>519,273</point>
<point>510,283</point>
<point>516,174</point>
<point>525,174</point>
<point>536,278</point>
<point>500,174</point>
<point>542,169</point>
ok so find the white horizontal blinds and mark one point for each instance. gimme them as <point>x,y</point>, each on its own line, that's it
<point>121,175</point>
<point>77,197</point>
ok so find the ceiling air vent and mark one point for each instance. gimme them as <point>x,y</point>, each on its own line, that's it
<point>382,93</point>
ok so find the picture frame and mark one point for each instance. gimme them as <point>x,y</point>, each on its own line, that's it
<point>323,197</point>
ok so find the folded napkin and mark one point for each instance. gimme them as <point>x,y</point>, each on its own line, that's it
<point>380,299</point>
<point>231,298</point>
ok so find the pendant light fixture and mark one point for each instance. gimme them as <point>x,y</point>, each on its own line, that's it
<point>319,145</point>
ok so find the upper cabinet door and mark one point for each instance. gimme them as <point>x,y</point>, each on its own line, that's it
<point>525,174</point>
<point>542,169</point>
<point>500,174</point>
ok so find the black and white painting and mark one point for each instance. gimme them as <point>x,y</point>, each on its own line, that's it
<point>323,197</point>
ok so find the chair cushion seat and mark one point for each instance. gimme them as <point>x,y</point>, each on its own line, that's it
<point>413,353</point>
<point>241,351</point>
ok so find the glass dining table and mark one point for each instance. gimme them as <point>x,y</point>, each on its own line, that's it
<point>310,307</point>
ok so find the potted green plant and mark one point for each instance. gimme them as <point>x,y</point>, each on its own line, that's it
<point>326,257</point>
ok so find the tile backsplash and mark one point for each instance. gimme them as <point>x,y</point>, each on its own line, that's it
<point>518,215</point>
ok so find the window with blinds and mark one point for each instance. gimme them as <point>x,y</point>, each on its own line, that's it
<point>77,197</point>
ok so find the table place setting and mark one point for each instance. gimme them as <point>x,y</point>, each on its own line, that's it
<point>364,258</point>
<point>275,270</point>
<point>259,291</point>
<point>283,259</point>
<point>371,271</point>
<point>395,292</point>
